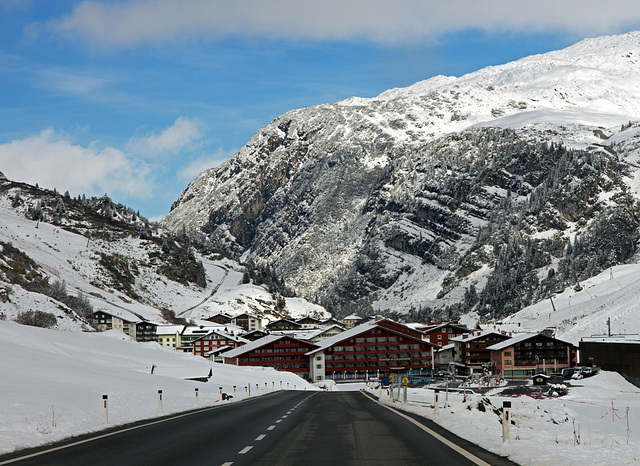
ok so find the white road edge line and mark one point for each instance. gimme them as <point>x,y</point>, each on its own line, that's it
<point>437,436</point>
<point>116,432</point>
<point>245,450</point>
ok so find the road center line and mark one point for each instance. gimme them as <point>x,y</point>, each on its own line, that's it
<point>278,421</point>
<point>261,436</point>
<point>245,450</point>
<point>271,427</point>
<point>228,463</point>
<point>285,416</point>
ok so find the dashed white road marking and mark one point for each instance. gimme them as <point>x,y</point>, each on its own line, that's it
<point>228,463</point>
<point>260,437</point>
<point>278,421</point>
<point>271,427</point>
<point>245,450</point>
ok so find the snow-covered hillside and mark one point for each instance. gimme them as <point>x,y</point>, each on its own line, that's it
<point>117,272</point>
<point>53,382</point>
<point>601,305</point>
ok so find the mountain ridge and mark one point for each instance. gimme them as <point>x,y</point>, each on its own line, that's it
<point>301,202</point>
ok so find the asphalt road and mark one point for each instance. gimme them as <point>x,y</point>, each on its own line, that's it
<point>285,428</point>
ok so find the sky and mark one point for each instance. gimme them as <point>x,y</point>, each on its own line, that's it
<point>134,98</point>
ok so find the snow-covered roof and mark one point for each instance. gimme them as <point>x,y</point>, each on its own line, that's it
<point>352,317</point>
<point>519,339</point>
<point>633,339</point>
<point>475,335</point>
<point>168,329</point>
<point>253,345</point>
<point>123,314</point>
<point>227,335</point>
<point>357,330</point>
<point>444,325</point>
<point>450,346</point>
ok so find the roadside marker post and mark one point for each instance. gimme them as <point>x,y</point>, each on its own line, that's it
<point>405,381</point>
<point>436,403</point>
<point>220,393</point>
<point>105,410</point>
<point>506,422</point>
<point>160,401</point>
<point>234,391</point>
<point>196,397</point>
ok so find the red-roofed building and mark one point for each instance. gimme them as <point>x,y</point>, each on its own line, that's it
<point>441,332</point>
<point>375,348</point>
<point>214,340</point>
<point>281,352</point>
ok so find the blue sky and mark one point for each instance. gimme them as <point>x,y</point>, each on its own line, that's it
<point>135,97</point>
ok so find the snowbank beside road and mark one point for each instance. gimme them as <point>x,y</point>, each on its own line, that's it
<point>52,383</point>
<point>595,424</point>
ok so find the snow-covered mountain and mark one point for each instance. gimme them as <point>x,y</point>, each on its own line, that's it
<point>484,193</point>
<point>71,256</point>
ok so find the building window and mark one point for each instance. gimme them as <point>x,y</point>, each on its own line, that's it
<point>507,353</point>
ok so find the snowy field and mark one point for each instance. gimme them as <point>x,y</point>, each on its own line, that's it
<point>597,423</point>
<point>52,383</point>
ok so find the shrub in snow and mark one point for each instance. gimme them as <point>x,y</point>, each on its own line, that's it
<point>36,319</point>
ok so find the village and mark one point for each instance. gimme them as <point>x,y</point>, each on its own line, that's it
<point>374,348</point>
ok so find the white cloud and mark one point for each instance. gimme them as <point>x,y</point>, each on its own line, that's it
<point>51,161</point>
<point>193,169</point>
<point>181,135</point>
<point>134,22</point>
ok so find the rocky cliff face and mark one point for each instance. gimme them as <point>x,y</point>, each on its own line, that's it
<point>452,195</point>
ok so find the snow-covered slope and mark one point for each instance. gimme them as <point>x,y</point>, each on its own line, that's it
<point>378,204</point>
<point>53,382</point>
<point>606,304</point>
<point>114,268</point>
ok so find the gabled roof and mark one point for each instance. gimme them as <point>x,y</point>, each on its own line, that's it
<point>352,317</point>
<point>362,328</point>
<point>123,314</point>
<point>428,330</point>
<point>475,335</point>
<point>245,314</point>
<point>290,322</point>
<point>226,335</point>
<point>253,345</point>
<point>308,318</point>
<point>448,347</point>
<point>521,338</point>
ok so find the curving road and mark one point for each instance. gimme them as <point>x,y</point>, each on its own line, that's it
<point>285,428</point>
